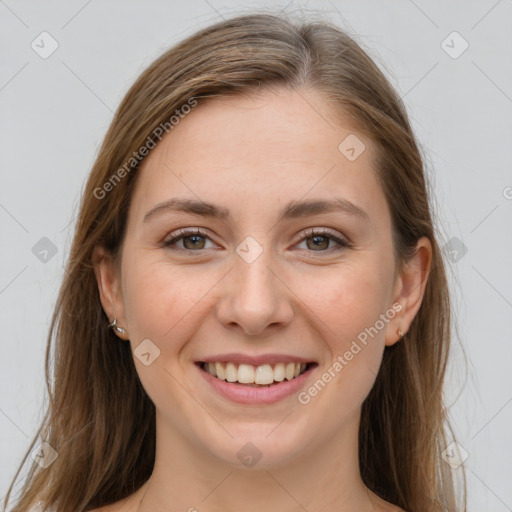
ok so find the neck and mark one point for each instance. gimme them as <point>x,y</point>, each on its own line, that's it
<point>320,477</point>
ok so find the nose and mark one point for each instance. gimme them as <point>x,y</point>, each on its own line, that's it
<point>254,297</point>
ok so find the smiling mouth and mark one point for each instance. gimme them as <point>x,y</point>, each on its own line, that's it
<point>265,375</point>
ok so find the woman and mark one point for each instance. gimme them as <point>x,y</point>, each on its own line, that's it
<point>255,313</point>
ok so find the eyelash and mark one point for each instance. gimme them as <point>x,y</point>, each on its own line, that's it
<point>310,233</point>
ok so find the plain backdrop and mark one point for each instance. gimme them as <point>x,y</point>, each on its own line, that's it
<point>450,61</point>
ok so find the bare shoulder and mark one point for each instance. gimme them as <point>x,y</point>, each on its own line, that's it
<point>128,504</point>
<point>389,507</point>
<point>113,507</point>
<point>385,506</point>
<point>125,505</point>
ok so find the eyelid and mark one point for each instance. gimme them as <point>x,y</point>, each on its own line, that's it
<point>181,233</point>
<point>322,231</point>
<point>341,241</point>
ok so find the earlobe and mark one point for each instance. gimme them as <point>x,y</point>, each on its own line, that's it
<point>103,278</point>
<point>396,330</point>
<point>108,288</point>
<point>410,290</point>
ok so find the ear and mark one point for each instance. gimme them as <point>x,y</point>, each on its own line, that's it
<point>409,289</point>
<point>108,280</point>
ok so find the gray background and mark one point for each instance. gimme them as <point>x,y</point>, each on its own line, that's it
<point>55,111</point>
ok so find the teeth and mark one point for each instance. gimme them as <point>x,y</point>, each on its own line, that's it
<point>257,375</point>
<point>264,374</point>
<point>279,372</point>
<point>246,373</point>
<point>220,371</point>
<point>289,371</point>
<point>231,372</point>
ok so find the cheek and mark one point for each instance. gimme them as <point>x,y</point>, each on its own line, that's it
<point>348,300</point>
<point>164,301</point>
<point>153,301</point>
<point>349,303</point>
<point>164,304</point>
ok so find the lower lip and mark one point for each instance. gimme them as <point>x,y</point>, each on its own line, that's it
<point>253,395</point>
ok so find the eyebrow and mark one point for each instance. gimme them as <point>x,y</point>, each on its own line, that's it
<point>293,210</point>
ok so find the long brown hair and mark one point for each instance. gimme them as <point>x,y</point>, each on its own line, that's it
<point>99,418</point>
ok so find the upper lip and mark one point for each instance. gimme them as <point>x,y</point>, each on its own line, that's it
<point>256,360</point>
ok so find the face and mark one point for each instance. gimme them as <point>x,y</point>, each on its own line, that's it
<point>258,276</point>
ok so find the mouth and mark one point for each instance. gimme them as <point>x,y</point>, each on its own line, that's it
<point>261,376</point>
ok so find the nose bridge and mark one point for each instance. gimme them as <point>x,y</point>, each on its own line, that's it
<point>254,297</point>
<point>255,279</point>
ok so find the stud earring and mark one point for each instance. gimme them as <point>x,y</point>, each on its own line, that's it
<point>120,330</point>
<point>400,333</point>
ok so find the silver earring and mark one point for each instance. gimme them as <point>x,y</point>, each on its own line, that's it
<point>120,330</point>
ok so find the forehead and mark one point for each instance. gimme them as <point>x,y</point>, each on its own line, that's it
<point>261,150</point>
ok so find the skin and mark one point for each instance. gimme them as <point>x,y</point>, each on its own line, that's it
<point>253,155</point>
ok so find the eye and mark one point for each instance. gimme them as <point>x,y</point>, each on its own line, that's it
<point>192,239</point>
<point>321,238</point>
